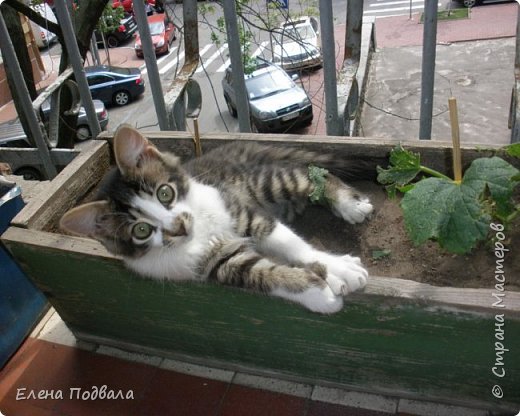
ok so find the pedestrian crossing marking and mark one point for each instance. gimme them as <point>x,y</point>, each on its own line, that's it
<point>208,61</point>
<point>172,63</point>
<point>391,3</point>
<point>394,9</point>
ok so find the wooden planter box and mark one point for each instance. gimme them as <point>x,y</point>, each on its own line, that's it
<point>399,337</point>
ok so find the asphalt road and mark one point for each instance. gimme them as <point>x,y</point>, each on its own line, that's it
<point>214,115</point>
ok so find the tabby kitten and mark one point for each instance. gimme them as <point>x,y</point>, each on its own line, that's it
<point>217,218</point>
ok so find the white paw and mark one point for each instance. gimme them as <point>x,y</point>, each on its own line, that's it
<point>354,210</point>
<point>345,274</point>
<point>357,260</point>
<point>321,300</point>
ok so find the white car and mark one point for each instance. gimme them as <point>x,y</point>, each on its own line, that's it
<point>297,44</point>
<point>42,36</point>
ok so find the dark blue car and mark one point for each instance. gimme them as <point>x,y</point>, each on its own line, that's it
<point>114,85</point>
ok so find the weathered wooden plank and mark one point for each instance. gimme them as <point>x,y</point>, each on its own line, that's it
<point>381,286</point>
<point>434,154</point>
<point>67,188</point>
<point>379,342</point>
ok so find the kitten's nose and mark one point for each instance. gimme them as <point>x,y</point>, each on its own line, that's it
<point>180,230</point>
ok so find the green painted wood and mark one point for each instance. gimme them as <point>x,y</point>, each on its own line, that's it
<point>375,342</point>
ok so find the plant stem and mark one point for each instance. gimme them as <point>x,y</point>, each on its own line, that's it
<point>433,172</point>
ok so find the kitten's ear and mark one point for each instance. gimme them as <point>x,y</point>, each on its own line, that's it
<point>130,147</point>
<point>82,220</point>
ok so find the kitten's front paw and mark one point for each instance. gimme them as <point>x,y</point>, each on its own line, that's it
<point>354,210</point>
<point>345,274</point>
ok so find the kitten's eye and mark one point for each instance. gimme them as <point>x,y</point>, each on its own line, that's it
<point>165,194</point>
<point>142,230</point>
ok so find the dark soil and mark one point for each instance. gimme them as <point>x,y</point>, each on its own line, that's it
<point>385,249</point>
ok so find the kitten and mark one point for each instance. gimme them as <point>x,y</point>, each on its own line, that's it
<point>217,218</point>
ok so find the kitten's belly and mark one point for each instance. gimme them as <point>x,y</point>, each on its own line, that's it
<point>211,220</point>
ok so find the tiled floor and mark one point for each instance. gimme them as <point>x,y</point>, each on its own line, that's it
<point>52,374</point>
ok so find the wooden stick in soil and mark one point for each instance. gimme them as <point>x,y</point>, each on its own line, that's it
<point>454,119</point>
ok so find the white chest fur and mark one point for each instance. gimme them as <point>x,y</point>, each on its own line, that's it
<point>210,219</point>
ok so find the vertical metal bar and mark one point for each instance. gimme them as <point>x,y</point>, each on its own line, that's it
<point>428,69</point>
<point>235,54</point>
<point>333,121</point>
<point>94,49</point>
<point>151,63</point>
<point>353,31</point>
<point>37,136</point>
<point>77,65</point>
<point>191,33</point>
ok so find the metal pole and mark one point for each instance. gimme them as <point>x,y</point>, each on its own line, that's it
<point>77,65</point>
<point>37,136</point>
<point>94,49</point>
<point>151,64</point>
<point>237,65</point>
<point>333,121</point>
<point>353,31</point>
<point>428,69</point>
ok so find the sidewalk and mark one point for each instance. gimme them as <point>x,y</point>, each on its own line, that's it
<point>485,22</point>
<point>474,63</point>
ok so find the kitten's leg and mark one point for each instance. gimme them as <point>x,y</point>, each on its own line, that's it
<point>345,201</point>
<point>236,263</point>
<point>344,273</point>
<point>293,186</point>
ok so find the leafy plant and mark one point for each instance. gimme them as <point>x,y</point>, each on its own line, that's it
<point>455,214</point>
<point>318,176</point>
<point>110,19</point>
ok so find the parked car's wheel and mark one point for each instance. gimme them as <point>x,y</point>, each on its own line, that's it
<point>112,42</point>
<point>121,98</point>
<point>29,174</point>
<point>230,107</point>
<point>469,3</point>
<point>82,133</point>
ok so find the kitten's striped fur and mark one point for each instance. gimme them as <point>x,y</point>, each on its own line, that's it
<point>218,217</point>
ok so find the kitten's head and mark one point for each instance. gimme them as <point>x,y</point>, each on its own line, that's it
<point>140,205</point>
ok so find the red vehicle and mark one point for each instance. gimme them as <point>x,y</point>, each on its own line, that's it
<point>163,33</point>
<point>128,5</point>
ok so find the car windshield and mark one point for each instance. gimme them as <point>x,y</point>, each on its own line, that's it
<point>295,34</point>
<point>268,83</point>
<point>156,28</point>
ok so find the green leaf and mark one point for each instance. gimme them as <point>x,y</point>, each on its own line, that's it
<point>318,177</point>
<point>496,175</point>
<point>441,210</point>
<point>513,150</point>
<point>381,253</point>
<point>404,167</point>
<point>456,215</point>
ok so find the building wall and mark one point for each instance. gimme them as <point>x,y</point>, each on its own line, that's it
<point>36,61</point>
